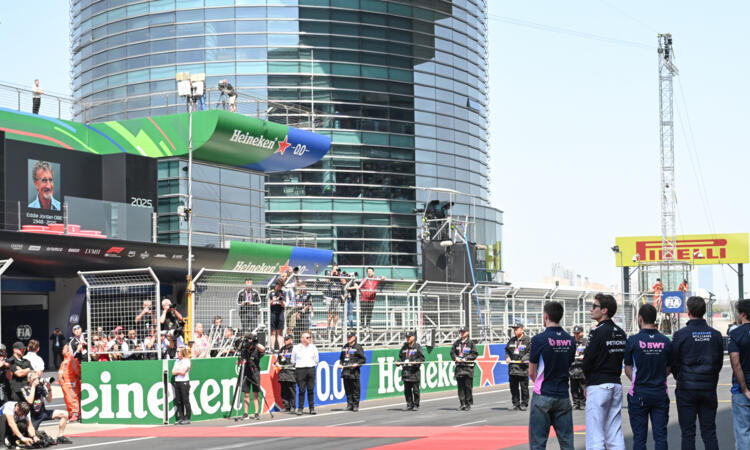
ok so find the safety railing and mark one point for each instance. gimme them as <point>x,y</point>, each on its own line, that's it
<point>20,99</point>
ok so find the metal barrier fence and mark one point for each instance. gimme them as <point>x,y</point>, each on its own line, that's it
<point>120,303</point>
<point>228,304</point>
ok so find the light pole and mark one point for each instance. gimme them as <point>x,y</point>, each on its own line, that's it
<point>191,88</point>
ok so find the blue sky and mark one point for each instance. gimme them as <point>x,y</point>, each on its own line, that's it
<point>574,122</point>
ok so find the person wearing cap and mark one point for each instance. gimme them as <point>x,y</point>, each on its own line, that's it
<point>351,358</point>
<point>410,358</point>
<point>577,380</point>
<point>517,357</point>
<point>19,369</point>
<point>463,354</point>
<point>287,380</point>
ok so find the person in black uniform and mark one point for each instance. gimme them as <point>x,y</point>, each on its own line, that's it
<point>352,357</point>
<point>696,360</point>
<point>250,352</point>
<point>517,357</point>
<point>463,354</point>
<point>248,300</point>
<point>577,380</point>
<point>410,359</point>
<point>287,380</point>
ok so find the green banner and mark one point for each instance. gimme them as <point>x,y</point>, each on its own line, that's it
<point>131,392</point>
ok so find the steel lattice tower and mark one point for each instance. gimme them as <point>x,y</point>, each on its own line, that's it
<point>667,71</point>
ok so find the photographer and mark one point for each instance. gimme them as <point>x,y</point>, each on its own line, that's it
<point>286,375</point>
<point>333,296</point>
<point>277,301</point>
<point>181,372</point>
<point>15,424</point>
<point>170,318</point>
<point>227,90</point>
<point>118,346</point>
<point>36,394</point>
<point>145,319</point>
<point>248,301</point>
<point>250,352</point>
<point>4,377</point>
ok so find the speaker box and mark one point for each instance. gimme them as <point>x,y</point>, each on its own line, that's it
<point>447,264</point>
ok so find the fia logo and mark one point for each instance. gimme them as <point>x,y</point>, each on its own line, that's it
<point>672,302</point>
<point>23,332</point>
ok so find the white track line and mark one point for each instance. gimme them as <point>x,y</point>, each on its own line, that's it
<point>111,442</point>
<point>389,405</point>
<point>470,423</point>
<point>345,423</point>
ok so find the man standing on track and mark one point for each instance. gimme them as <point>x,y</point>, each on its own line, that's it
<point>463,354</point>
<point>647,357</point>
<point>287,381</point>
<point>410,358</point>
<point>305,358</point>
<point>517,357</point>
<point>697,357</point>
<point>602,366</point>
<point>351,358</point>
<point>552,352</point>
<point>739,356</point>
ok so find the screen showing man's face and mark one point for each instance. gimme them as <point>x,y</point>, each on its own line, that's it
<point>44,184</point>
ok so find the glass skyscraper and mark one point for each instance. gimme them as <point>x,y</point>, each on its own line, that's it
<point>400,86</point>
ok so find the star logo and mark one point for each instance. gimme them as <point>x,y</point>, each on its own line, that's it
<point>487,363</point>
<point>270,387</point>
<point>283,145</point>
<point>286,267</point>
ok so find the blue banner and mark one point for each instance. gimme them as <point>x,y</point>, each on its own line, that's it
<point>673,302</point>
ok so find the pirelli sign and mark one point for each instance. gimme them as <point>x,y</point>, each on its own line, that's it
<point>702,249</point>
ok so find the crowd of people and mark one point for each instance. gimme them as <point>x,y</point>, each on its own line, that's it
<point>25,394</point>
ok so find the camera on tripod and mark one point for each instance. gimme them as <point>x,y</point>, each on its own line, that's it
<point>245,345</point>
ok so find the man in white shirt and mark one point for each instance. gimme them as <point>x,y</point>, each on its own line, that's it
<point>36,101</point>
<point>12,415</point>
<point>32,356</point>
<point>305,358</point>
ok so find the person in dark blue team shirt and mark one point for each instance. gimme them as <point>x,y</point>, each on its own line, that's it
<point>552,353</point>
<point>739,357</point>
<point>696,360</point>
<point>647,365</point>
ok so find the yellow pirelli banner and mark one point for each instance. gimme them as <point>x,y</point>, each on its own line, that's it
<point>731,248</point>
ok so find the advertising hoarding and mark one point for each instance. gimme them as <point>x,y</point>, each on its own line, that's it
<point>726,248</point>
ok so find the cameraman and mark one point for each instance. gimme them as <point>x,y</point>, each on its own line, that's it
<point>145,319</point>
<point>228,90</point>
<point>15,424</point>
<point>250,353</point>
<point>170,318</point>
<point>36,394</point>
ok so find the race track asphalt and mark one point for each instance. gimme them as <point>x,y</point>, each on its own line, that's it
<point>380,424</point>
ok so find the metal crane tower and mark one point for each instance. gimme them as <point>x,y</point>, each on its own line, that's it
<point>667,71</point>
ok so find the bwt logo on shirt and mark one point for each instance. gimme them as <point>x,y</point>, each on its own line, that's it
<point>651,345</point>
<point>558,342</point>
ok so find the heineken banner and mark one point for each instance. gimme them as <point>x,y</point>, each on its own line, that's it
<point>132,392</point>
<point>218,136</point>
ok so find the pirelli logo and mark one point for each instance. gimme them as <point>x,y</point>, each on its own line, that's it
<point>699,249</point>
<point>685,251</point>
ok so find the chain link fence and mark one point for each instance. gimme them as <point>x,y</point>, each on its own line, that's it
<point>123,314</point>
<point>228,304</point>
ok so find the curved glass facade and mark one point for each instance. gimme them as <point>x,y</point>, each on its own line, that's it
<point>401,87</point>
